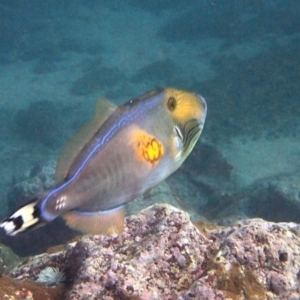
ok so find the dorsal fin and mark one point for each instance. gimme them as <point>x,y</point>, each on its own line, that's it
<point>104,109</point>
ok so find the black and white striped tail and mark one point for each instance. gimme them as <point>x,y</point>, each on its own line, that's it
<point>25,218</point>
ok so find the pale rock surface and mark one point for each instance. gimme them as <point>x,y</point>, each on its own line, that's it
<point>162,255</point>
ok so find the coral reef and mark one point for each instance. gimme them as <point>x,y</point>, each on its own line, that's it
<point>162,255</point>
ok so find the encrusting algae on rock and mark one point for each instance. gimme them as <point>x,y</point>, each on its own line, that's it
<point>12,289</point>
<point>162,255</point>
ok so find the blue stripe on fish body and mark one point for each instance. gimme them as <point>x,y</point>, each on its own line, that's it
<point>120,154</point>
<point>125,118</point>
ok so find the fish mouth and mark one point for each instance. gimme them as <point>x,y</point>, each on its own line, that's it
<point>193,128</point>
<point>199,120</point>
<point>202,118</point>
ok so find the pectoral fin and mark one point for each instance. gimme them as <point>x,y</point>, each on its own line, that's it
<point>107,222</point>
<point>104,109</point>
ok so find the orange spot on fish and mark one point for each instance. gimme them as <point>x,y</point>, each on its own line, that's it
<point>147,147</point>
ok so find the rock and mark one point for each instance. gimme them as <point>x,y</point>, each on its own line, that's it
<point>11,289</point>
<point>39,179</point>
<point>274,198</point>
<point>161,193</point>
<point>162,255</point>
<point>41,121</point>
<point>205,181</point>
<point>8,259</point>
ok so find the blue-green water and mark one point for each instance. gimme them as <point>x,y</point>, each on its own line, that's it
<point>58,57</point>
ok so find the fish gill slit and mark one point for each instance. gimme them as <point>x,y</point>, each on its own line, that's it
<point>190,135</point>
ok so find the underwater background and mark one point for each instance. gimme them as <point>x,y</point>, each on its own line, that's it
<point>59,57</point>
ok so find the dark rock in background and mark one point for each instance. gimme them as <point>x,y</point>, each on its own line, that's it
<point>158,72</point>
<point>162,193</point>
<point>29,35</point>
<point>203,21</point>
<point>255,88</point>
<point>276,198</point>
<point>8,259</point>
<point>34,243</point>
<point>207,20</point>
<point>204,180</point>
<point>41,178</point>
<point>40,122</point>
<point>157,6</point>
<point>95,79</point>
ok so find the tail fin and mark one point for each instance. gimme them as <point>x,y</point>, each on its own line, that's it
<point>25,218</point>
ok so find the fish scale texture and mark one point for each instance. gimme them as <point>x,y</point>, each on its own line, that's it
<point>162,255</point>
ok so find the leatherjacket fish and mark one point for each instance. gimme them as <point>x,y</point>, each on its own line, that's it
<point>119,155</point>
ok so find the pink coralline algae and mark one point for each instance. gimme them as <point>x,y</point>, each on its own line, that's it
<point>162,255</point>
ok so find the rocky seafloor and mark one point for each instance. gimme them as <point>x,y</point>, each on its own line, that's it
<point>164,252</point>
<point>163,255</point>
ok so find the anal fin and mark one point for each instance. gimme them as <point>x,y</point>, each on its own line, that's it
<point>106,222</point>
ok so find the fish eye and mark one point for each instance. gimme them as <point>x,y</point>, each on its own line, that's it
<point>171,103</point>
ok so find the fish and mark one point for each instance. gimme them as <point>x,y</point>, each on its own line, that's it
<point>119,155</point>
